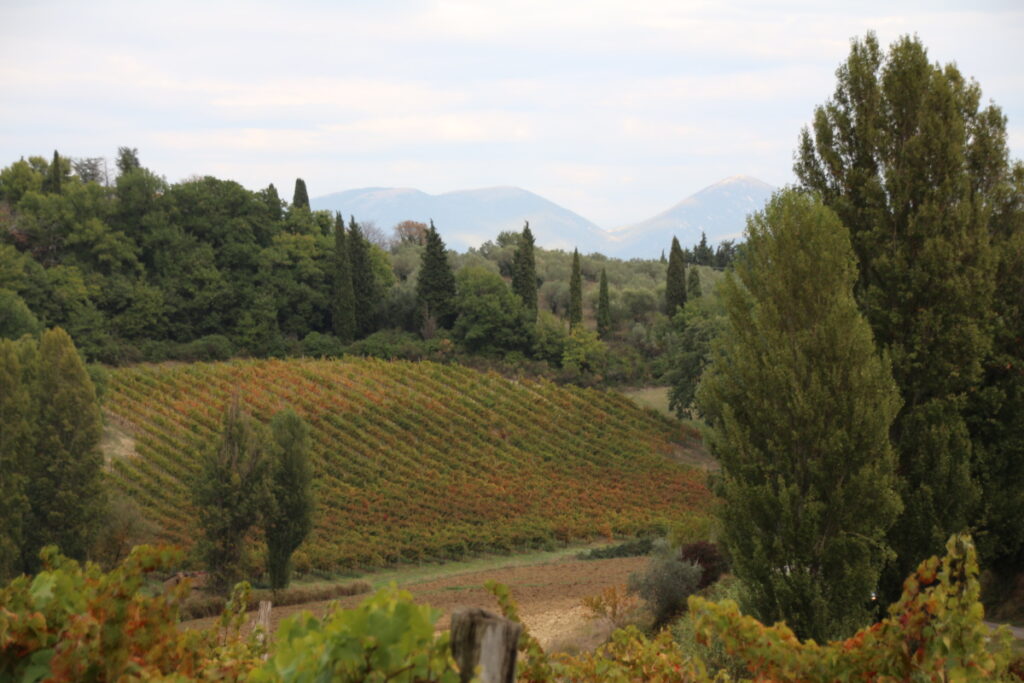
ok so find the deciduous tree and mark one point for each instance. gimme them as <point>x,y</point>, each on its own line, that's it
<point>800,405</point>
<point>65,470</point>
<point>909,160</point>
<point>230,494</point>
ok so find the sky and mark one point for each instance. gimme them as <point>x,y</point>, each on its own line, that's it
<point>615,110</point>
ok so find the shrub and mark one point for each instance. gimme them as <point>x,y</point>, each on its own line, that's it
<point>317,345</point>
<point>665,583</point>
<point>710,559</point>
<point>635,548</point>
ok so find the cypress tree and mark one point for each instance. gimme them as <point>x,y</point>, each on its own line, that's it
<point>693,284</point>
<point>575,292</point>
<point>524,273</point>
<point>604,309</point>
<point>364,285</point>
<point>230,494</point>
<point>54,175</point>
<point>65,473</point>
<point>800,404</point>
<point>908,160</point>
<point>300,198</point>
<point>343,304</point>
<point>675,281</point>
<point>289,516</point>
<point>703,255</point>
<point>435,287</point>
<point>16,441</point>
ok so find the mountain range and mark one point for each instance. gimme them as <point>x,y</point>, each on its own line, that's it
<point>467,218</point>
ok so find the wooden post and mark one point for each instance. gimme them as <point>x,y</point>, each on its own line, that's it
<point>481,639</point>
<point>263,623</point>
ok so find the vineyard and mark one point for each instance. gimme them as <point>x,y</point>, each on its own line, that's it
<point>413,461</point>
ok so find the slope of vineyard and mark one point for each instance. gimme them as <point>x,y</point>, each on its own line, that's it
<point>413,461</point>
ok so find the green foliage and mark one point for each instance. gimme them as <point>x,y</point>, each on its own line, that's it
<point>584,351</point>
<point>604,308</point>
<point>343,308</point>
<point>18,420</point>
<point>666,582</point>
<point>289,515</point>
<point>72,623</point>
<point>911,163</point>
<point>550,338</point>
<point>693,290</point>
<point>524,272</point>
<point>386,638</point>
<point>435,286</point>
<point>689,349</point>
<point>640,546</point>
<point>230,492</point>
<point>300,198</point>
<point>675,280</point>
<point>16,319</point>
<point>364,283</point>
<point>934,632</point>
<point>64,468</point>
<point>491,319</point>
<point>800,405</point>
<point>575,292</point>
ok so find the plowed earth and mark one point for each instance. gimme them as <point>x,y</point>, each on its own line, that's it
<point>548,596</point>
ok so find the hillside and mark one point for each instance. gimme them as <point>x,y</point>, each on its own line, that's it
<point>468,218</point>
<point>413,461</point>
<point>720,211</point>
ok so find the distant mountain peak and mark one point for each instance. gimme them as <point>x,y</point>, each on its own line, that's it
<point>467,218</point>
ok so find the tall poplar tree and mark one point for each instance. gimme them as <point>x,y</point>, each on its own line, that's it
<point>364,285</point>
<point>524,272</point>
<point>65,471</point>
<point>230,494</point>
<point>17,429</point>
<point>289,516</point>
<point>907,159</point>
<point>54,175</point>
<point>575,292</point>
<point>800,404</point>
<point>435,286</point>
<point>343,303</point>
<point>300,198</point>
<point>675,281</point>
<point>604,309</point>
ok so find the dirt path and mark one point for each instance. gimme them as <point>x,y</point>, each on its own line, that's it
<point>548,596</point>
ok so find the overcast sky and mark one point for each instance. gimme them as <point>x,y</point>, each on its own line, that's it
<point>616,110</point>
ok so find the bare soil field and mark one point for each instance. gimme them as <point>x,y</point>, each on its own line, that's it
<point>548,595</point>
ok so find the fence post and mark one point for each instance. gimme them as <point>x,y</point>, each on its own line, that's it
<point>482,639</point>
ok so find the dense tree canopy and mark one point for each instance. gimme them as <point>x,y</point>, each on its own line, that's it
<point>911,163</point>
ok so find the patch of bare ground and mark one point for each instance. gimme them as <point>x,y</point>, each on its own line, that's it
<point>549,598</point>
<point>117,441</point>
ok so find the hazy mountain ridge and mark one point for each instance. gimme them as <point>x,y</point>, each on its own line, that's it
<point>467,218</point>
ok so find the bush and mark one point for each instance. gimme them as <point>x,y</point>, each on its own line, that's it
<point>317,345</point>
<point>710,559</point>
<point>711,651</point>
<point>665,583</point>
<point>635,548</point>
